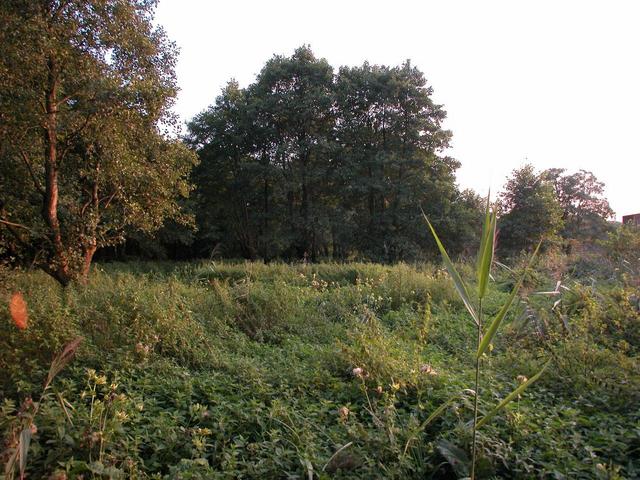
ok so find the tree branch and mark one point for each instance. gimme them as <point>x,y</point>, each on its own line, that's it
<point>12,224</point>
<point>111,197</point>
<point>72,135</point>
<point>27,162</point>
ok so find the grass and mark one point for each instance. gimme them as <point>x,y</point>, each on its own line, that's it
<point>246,370</point>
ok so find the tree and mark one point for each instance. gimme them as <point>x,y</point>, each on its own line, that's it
<point>293,97</point>
<point>305,163</point>
<point>585,211</point>
<point>529,210</point>
<point>390,138</point>
<point>85,144</point>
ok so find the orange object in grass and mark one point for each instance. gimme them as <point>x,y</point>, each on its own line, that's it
<point>18,309</point>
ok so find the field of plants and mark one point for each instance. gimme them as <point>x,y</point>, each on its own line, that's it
<point>246,370</point>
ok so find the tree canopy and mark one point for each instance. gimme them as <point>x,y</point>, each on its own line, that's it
<point>530,210</point>
<point>87,140</point>
<point>307,162</point>
<point>585,210</point>
<point>552,204</point>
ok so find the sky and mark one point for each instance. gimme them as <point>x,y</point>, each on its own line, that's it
<point>551,83</point>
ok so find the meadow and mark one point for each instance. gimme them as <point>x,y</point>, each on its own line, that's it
<point>302,371</point>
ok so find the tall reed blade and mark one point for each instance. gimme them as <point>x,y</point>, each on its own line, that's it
<point>497,320</point>
<point>455,276</point>
<point>485,253</point>
<point>512,396</point>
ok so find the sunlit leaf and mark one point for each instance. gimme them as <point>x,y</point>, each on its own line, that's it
<point>485,253</point>
<point>497,320</point>
<point>457,280</point>
<point>512,396</point>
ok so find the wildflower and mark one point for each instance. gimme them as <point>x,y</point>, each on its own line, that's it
<point>357,372</point>
<point>379,389</point>
<point>142,349</point>
<point>122,416</point>
<point>34,429</point>
<point>18,309</point>
<point>344,413</point>
<point>521,379</point>
<point>101,380</point>
<point>428,369</point>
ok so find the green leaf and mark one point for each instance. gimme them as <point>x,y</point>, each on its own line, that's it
<point>486,255</point>
<point>511,396</point>
<point>497,320</point>
<point>455,456</point>
<point>23,448</point>
<point>435,414</point>
<point>457,280</point>
<point>483,240</point>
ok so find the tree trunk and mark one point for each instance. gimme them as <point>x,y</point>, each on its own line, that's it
<point>265,223</point>
<point>60,269</point>
<point>88,253</point>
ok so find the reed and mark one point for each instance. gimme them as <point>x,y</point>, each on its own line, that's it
<point>473,304</point>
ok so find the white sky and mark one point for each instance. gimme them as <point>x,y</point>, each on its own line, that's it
<point>554,83</point>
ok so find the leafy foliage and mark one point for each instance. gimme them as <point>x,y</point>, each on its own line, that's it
<point>585,211</point>
<point>85,142</point>
<point>218,370</point>
<point>529,211</point>
<point>305,163</point>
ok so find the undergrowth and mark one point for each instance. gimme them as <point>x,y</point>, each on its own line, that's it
<point>246,370</point>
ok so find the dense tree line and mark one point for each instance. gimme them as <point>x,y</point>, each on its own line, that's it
<point>307,163</point>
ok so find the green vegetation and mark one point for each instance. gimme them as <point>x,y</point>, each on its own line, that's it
<point>87,143</point>
<point>308,163</point>
<point>219,370</point>
<point>485,331</point>
<point>267,369</point>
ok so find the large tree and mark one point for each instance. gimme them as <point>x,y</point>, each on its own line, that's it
<point>265,159</point>
<point>86,149</point>
<point>307,163</point>
<point>293,97</point>
<point>391,140</point>
<point>529,210</point>
<point>585,210</point>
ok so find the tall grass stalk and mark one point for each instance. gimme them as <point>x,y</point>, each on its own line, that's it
<point>483,270</point>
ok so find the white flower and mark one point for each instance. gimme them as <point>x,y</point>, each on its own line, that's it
<point>357,372</point>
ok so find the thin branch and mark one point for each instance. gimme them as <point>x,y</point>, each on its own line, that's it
<point>26,161</point>
<point>109,199</point>
<point>12,224</point>
<point>72,135</point>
